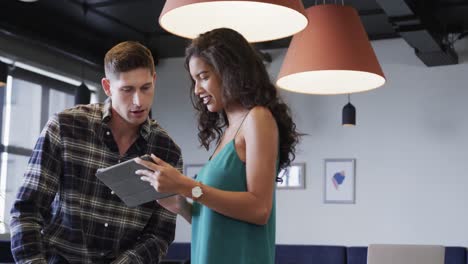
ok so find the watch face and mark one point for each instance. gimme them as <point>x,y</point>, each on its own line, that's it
<point>196,192</point>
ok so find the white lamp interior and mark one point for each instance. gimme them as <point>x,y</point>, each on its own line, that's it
<point>254,20</point>
<point>331,82</point>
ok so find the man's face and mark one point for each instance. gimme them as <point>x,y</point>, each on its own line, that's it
<point>132,94</point>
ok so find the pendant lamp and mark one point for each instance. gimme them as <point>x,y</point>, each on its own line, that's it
<point>256,20</point>
<point>332,55</point>
<point>349,114</point>
<point>82,94</point>
<point>3,74</point>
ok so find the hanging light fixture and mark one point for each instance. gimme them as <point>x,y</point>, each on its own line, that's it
<point>349,114</point>
<point>3,74</point>
<point>332,55</point>
<point>82,94</point>
<point>256,20</point>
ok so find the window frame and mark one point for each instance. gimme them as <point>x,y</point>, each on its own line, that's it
<point>47,84</point>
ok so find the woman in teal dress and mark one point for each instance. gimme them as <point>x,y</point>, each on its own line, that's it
<point>233,209</point>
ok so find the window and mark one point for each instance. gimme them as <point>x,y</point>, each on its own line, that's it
<point>26,103</point>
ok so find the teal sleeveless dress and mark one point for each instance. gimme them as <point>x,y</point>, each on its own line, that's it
<point>218,239</point>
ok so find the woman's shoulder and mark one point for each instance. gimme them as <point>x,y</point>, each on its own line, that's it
<point>261,119</point>
<point>260,112</point>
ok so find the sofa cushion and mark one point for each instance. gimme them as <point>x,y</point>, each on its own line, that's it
<point>356,255</point>
<point>310,254</point>
<point>178,251</point>
<point>455,255</point>
<point>5,252</point>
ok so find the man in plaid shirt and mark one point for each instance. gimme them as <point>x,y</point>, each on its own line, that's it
<point>63,213</point>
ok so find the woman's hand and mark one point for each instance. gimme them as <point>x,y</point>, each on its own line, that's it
<point>161,175</point>
<point>167,179</point>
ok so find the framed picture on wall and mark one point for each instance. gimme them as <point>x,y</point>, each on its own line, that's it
<point>339,181</point>
<point>293,177</point>
<point>192,170</point>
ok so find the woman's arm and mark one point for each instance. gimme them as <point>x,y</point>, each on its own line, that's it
<point>254,206</point>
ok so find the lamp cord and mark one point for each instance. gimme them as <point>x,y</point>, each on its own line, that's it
<point>85,8</point>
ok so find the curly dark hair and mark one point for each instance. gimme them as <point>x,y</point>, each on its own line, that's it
<point>244,81</point>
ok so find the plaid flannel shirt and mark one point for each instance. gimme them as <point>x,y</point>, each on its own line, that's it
<point>64,214</point>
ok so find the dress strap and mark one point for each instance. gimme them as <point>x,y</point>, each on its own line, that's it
<point>217,146</point>
<point>237,132</point>
<point>243,119</point>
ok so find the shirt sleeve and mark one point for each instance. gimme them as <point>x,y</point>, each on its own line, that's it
<point>153,245</point>
<point>180,165</point>
<point>158,235</point>
<point>32,204</point>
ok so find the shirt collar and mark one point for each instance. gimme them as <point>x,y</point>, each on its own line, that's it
<point>145,128</point>
<point>107,111</point>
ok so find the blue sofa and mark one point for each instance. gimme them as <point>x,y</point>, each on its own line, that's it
<point>319,254</point>
<point>179,253</point>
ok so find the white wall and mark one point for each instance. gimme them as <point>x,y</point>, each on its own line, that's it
<point>410,146</point>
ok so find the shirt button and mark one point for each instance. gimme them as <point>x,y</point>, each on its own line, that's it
<point>106,225</point>
<point>112,192</point>
<point>108,133</point>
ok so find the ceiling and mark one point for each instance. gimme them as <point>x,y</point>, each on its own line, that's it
<point>86,29</point>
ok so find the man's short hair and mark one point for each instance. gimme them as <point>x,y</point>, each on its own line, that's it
<point>127,56</point>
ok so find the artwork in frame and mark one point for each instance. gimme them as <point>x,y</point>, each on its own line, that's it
<point>340,181</point>
<point>293,177</point>
<point>192,170</point>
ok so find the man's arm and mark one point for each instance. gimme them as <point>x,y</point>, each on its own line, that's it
<point>156,238</point>
<point>158,235</point>
<point>33,200</point>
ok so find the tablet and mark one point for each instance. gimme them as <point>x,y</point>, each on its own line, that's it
<point>128,186</point>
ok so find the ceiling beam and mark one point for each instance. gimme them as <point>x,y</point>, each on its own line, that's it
<point>90,8</point>
<point>419,29</point>
<point>57,48</point>
<point>371,12</point>
<point>114,2</point>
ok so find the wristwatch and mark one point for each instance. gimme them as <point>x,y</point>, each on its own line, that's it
<point>197,192</point>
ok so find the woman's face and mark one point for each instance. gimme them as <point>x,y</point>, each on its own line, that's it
<point>208,87</point>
